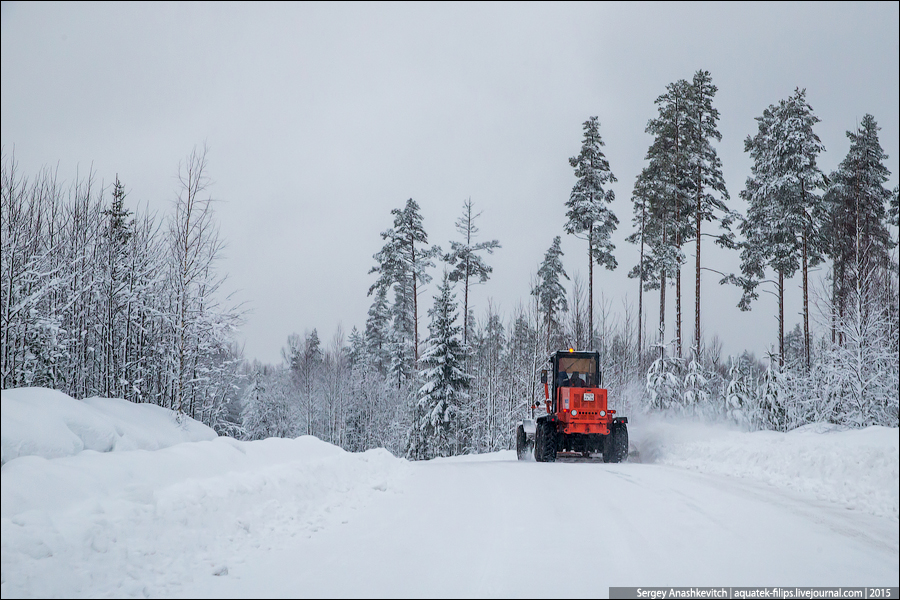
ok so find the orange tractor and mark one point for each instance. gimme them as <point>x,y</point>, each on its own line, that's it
<point>578,421</point>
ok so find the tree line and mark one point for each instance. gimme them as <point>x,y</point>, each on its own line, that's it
<point>461,387</point>
<point>100,300</point>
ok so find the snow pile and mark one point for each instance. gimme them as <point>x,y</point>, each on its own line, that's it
<point>149,521</point>
<point>857,468</point>
<point>48,423</point>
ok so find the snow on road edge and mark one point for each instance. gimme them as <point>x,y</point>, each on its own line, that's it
<point>141,524</point>
<point>858,469</point>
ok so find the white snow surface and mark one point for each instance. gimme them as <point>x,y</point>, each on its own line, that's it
<point>51,424</point>
<point>216,517</point>
<point>856,468</point>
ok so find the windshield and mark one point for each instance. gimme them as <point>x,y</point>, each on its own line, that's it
<point>576,372</point>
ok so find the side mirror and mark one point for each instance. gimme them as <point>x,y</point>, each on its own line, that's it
<point>544,376</point>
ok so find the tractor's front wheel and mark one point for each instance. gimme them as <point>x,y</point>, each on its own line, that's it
<point>548,442</point>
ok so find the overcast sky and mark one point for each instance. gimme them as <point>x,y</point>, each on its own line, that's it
<point>321,118</point>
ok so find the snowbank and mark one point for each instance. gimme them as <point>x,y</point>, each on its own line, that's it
<point>859,469</point>
<point>51,424</point>
<point>78,520</point>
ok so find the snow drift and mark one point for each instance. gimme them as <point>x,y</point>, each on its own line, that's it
<point>51,424</point>
<point>77,518</point>
<point>856,468</point>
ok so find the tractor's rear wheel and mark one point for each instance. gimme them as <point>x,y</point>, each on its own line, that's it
<point>520,442</point>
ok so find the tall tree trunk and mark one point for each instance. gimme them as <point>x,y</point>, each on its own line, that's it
<point>590,288</point>
<point>805,300</point>
<point>412,246</point>
<point>640,291</point>
<point>697,284</point>
<point>678,277</point>
<point>781,319</point>
<point>466,307</point>
<point>662,314</point>
<point>678,311</point>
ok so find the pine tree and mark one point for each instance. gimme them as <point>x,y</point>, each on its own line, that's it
<point>445,382</point>
<point>777,220</point>
<point>588,214</point>
<point>549,291</point>
<point>797,149</point>
<point>669,157</point>
<point>709,192</point>
<point>855,214</point>
<point>402,263</point>
<point>468,265</point>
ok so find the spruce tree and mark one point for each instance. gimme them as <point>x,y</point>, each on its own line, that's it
<point>549,291</point>
<point>402,263</point>
<point>589,215</point>
<point>855,215</point>
<point>469,267</point>
<point>116,237</point>
<point>377,334</point>
<point>445,382</point>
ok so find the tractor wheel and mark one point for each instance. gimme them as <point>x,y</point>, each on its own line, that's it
<point>520,442</point>
<point>617,444</point>
<point>539,442</point>
<point>608,445</point>
<point>548,443</point>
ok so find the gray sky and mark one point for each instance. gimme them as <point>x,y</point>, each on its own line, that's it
<point>321,118</point>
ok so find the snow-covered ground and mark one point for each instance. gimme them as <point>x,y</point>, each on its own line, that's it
<point>175,511</point>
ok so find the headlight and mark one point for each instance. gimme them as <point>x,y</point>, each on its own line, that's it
<point>574,413</point>
<point>602,413</point>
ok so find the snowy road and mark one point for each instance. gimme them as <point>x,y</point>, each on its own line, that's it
<point>103,498</point>
<point>490,526</point>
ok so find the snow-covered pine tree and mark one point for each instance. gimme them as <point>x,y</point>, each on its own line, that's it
<point>774,219</point>
<point>665,384</point>
<point>740,391</point>
<point>855,216</point>
<point>444,381</point>
<point>588,208</point>
<point>797,149</point>
<point>668,155</point>
<point>709,191</point>
<point>549,291</point>
<point>643,197</point>
<point>468,266</point>
<point>402,263</point>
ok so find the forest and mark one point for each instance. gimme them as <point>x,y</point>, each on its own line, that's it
<point>99,299</point>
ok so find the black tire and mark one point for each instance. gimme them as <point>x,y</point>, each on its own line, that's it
<point>539,442</point>
<point>608,446</point>
<point>548,443</point>
<point>617,444</point>
<point>520,442</point>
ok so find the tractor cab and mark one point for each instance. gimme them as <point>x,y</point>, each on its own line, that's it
<point>570,369</point>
